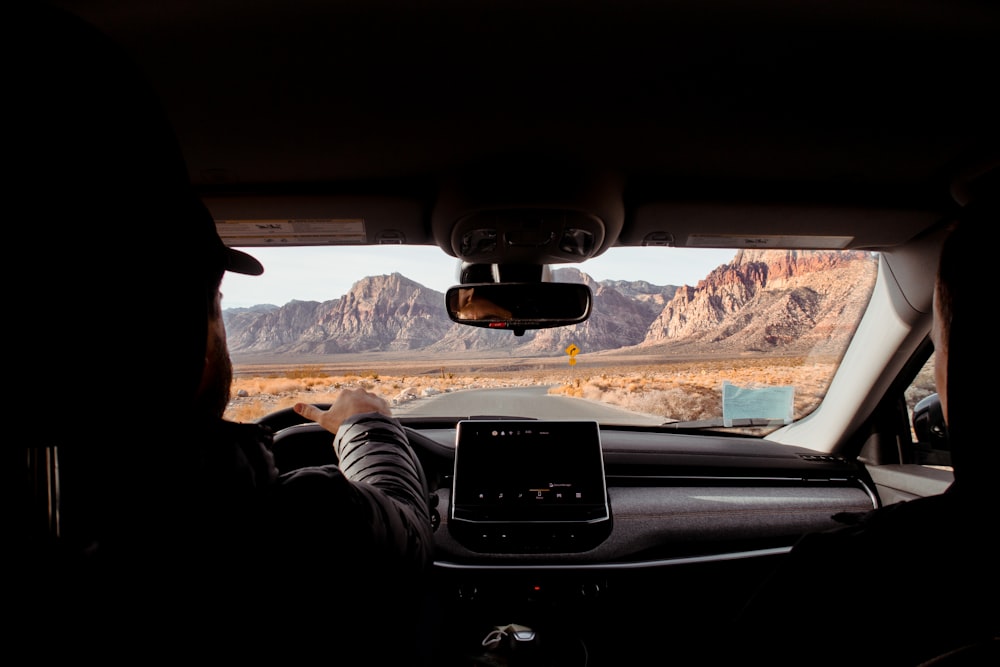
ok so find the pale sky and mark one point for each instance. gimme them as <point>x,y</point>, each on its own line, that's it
<point>326,273</point>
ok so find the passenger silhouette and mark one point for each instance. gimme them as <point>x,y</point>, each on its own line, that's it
<point>913,580</point>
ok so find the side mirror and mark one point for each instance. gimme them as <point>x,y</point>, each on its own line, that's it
<point>932,433</point>
<point>519,306</point>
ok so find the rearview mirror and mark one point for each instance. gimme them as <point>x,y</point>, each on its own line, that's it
<point>519,306</point>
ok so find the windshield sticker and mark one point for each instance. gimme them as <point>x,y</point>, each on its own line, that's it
<point>770,403</point>
<point>268,232</point>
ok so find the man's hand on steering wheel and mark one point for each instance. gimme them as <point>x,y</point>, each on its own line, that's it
<point>348,403</point>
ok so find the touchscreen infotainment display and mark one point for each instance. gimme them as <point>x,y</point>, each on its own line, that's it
<point>513,471</point>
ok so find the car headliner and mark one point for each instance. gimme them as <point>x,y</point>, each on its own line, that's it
<point>665,119</point>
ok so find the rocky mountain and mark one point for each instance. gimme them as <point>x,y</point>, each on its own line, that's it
<point>767,301</point>
<point>380,313</point>
<point>762,301</point>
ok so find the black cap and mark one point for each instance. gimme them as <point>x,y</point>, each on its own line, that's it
<point>238,261</point>
<point>101,139</point>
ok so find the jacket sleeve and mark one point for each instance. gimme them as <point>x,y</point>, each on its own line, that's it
<point>371,510</point>
<point>376,457</point>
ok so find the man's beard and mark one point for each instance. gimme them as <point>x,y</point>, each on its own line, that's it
<point>218,384</point>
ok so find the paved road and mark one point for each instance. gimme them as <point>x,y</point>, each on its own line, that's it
<point>532,402</point>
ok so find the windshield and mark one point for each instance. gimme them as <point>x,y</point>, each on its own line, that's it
<point>737,340</point>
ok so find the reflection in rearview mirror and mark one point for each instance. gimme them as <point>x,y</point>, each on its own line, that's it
<point>519,306</point>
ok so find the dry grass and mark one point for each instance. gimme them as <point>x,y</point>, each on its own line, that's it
<point>694,391</point>
<point>680,390</point>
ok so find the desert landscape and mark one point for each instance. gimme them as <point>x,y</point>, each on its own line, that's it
<point>768,319</point>
<point>678,389</point>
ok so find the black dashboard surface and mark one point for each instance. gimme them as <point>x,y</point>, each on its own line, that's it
<point>696,496</point>
<point>671,495</point>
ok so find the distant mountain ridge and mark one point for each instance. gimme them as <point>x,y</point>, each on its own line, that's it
<point>763,301</point>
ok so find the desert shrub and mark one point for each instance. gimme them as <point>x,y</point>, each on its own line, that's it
<point>306,372</point>
<point>269,385</point>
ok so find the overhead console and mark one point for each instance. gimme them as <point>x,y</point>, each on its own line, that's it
<point>527,486</point>
<point>528,210</point>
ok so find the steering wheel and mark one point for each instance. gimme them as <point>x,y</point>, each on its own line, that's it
<point>299,442</point>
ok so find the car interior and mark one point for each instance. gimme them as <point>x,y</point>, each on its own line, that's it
<point>522,136</point>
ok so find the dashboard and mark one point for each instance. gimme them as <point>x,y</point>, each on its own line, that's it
<point>683,496</point>
<point>688,523</point>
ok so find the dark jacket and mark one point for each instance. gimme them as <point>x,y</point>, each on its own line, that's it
<point>200,545</point>
<point>375,499</point>
<point>355,546</point>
